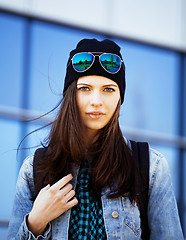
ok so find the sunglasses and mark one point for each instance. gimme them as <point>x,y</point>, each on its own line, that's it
<point>110,62</point>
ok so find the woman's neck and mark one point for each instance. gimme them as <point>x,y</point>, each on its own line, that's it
<point>90,137</point>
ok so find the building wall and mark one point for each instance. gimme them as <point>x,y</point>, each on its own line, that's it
<point>159,22</point>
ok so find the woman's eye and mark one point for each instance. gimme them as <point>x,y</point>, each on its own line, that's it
<point>84,89</point>
<point>108,89</point>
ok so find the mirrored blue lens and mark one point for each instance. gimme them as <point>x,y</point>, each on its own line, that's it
<point>110,62</point>
<point>82,61</point>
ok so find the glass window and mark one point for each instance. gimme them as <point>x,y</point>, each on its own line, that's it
<point>151,95</point>
<point>36,137</point>
<point>184,115</point>
<point>184,182</point>
<point>11,49</point>
<point>3,232</point>
<point>8,166</point>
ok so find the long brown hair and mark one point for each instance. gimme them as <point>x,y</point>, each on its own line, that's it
<point>112,165</point>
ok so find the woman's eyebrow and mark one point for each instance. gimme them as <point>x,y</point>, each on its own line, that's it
<point>105,85</point>
<point>83,84</point>
<point>110,85</point>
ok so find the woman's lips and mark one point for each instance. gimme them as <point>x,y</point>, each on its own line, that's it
<point>95,115</point>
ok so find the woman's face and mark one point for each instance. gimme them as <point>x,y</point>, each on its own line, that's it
<point>97,99</point>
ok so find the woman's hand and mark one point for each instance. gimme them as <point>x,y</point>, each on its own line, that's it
<point>50,203</point>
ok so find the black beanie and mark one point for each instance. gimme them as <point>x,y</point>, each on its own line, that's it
<point>93,45</point>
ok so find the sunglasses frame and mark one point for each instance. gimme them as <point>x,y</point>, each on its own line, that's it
<point>96,54</point>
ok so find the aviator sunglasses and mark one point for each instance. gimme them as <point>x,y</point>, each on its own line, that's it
<point>110,62</point>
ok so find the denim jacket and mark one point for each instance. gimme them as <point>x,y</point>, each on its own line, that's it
<point>122,219</point>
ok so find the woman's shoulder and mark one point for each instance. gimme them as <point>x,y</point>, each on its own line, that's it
<point>159,168</point>
<point>25,182</point>
<point>28,161</point>
<point>27,167</point>
<point>156,159</point>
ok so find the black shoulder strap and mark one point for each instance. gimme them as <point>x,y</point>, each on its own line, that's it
<point>37,157</point>
<point>140,151</point>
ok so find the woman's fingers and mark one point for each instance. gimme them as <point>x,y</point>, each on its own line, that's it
<point>54,200</point>
<point>62,191</point>
<point>69,200</point>
<point>71,203</point>
<point>61,183</point>
<point>69,196</point>
<point>67,188</point>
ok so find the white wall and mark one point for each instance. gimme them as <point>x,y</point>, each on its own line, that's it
<point>162,22</point>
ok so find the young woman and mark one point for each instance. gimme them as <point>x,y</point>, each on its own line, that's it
<point>86,175</point>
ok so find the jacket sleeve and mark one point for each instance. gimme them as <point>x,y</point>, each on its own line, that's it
<point>18,229</point>
<point>164,222</point>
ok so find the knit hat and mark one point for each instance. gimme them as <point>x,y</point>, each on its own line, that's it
<point>93,45</point>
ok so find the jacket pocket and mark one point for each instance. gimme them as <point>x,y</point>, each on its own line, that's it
<point>132,216</point>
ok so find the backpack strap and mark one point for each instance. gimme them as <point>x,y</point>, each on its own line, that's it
<point>140,151</point>
<point>37,156</point>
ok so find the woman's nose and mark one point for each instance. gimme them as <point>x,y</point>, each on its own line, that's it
<point>96,99</point>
